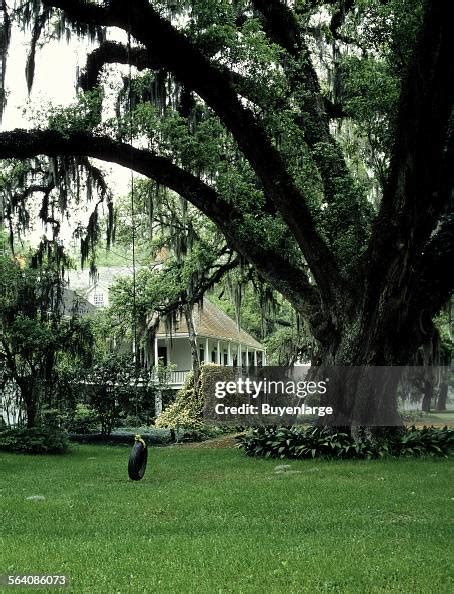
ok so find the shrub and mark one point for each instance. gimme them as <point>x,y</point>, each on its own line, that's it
<point>320,442</point>
<point>132,421</point>
<point>38,440</point>
<point>52,418</point>
<point>126,436</point>
<point>204,432</point>
<point>186,411</point>
<point>83,421</point>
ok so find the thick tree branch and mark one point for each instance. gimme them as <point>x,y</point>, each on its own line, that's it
<point>433,285</point>
<point>280,24</point>
<point>338,19</point>
<point>170,47</point>
<point>417,193</point>
<point>435,280</point>
<point>200,291</point>
<point>111,52</point>
<point>282,27</point>
<point>291,281</point>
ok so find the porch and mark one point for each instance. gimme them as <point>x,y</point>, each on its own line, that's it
<point>176,351</point>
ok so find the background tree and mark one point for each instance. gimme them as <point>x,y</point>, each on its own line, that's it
<point>232,106</point>
<point>34,334</point>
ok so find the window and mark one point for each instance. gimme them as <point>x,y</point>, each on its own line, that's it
<point>162,355</point>
<point>98,299</point>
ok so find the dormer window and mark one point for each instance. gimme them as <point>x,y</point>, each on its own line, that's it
<point>98,299</point>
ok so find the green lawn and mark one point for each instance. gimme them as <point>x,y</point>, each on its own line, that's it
<point>205,520</point>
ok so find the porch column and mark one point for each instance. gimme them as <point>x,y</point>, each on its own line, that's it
<point>207,354</point>
<point>218,358</point>
<point>255,358</point>
<point>247,356</point>
<point>156,351</point>
<point>263,358</point>
<point>229,354</point>
<point>239,361</point>
<point>158,395</point>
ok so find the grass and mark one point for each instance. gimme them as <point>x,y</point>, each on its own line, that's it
<point>445,416</point>
<point>215,521</point>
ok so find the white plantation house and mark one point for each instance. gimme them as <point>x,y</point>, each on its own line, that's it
<point>219,341</point>
<point>218,337</point>
<point>96,290</point>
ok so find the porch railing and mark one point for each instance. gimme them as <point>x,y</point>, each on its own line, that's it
<point>178,377</point>
<point>175,378</point>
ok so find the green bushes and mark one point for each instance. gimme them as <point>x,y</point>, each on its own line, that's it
<point>319,442</point>
<point>153,437</point>
<point>186,411</point>
<point>83,421</point>
<point>38,440</point>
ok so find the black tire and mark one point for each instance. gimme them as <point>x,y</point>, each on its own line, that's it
<point>137,461</point>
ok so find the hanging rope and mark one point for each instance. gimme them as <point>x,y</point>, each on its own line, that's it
<point>133,224</point>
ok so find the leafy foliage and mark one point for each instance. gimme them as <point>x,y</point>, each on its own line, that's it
<point>37,440</point>
<point>186,411</point>
<point>116,385</point>
<point>83,420</point>
<point>36,332</point>
<point>319,442</point>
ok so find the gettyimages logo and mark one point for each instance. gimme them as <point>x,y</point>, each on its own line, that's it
<point>254,388</point>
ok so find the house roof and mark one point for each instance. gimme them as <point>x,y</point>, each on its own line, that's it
<point>79,280</point>
<point>211,322</point>
<point>73,303</point>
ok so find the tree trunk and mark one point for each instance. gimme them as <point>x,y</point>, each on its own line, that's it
<point>361,396</point>
<point>193,342</point>
<point>364,363</point>
<point>428,396</point>
<point>442,396</point>
<point>30,396</point>
<point>157,403</point>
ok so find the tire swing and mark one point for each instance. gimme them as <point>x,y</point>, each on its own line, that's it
<point>138,459</point>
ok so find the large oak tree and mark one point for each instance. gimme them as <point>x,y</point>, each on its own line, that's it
<point>245,135</point>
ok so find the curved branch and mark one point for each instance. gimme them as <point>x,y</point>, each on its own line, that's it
<point>433,284</point>
<point>111,52</point>
<point>338,19</point>
<point>280,24</point>
<point>171,47</point>
<point>290,281</point>
<point>200,291</point>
